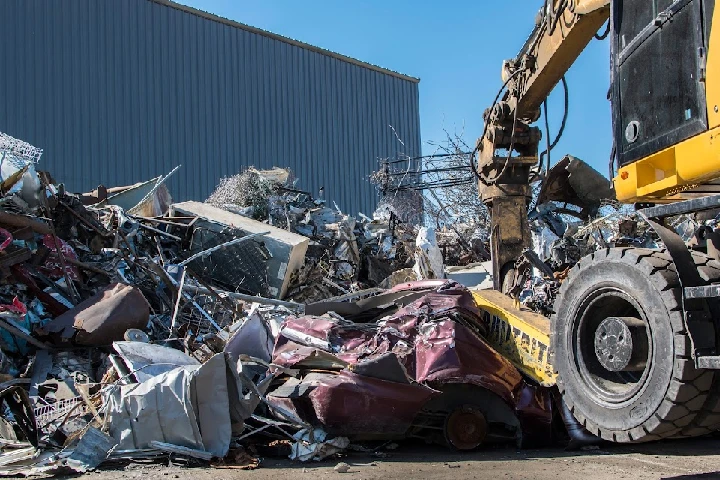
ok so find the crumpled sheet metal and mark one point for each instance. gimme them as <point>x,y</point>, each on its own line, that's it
<point>438,341</point>
<point>244,396</point>
<point>145,361</point>
<point>254,338</point>
<point>101,319</point>
<point>92,449</point>
<point>187,406</point>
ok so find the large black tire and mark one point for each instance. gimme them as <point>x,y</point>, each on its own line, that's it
<point>669,397</point>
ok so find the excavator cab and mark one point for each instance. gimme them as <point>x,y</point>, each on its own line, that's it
<point>659,57</point>
<point>664,92</point>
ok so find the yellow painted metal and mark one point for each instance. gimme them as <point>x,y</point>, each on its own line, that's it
<point>553,51</point>
<point>713,72</point>
<point>693,161</point>
<point>584,7</point>
<point>521,336</point>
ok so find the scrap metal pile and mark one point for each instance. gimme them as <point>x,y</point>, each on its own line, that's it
<point>345,254</point>
<point>574,216</point>
<point>134,328</point>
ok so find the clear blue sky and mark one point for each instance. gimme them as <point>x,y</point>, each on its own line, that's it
<point>456,48</point>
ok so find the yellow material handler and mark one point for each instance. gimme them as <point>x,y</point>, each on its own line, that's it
<point>634,341</point>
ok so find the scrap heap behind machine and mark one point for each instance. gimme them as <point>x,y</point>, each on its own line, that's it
<point>635,333</point>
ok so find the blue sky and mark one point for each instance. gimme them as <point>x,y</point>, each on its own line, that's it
<point>456,49</point>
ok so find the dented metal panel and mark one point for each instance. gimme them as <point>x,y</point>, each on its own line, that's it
<point>435,343</point>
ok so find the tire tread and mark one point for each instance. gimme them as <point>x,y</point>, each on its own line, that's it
<point>691,406</point>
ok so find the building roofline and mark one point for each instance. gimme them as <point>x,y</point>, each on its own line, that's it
<point>274,36</point>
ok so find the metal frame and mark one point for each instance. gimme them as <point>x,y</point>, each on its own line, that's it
<point>696,298</point>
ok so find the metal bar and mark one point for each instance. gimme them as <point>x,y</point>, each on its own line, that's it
<point>84,221</point>
<point>705,291</point>
<point>21,221</point>
<point>25,336</point>
<point>154,189</point>
<point>680,208</point>
<point>353,295</point>
<point>536,262</point>
<point>246,298</point>
<point>213,291</point>
<point>195,304</point>
<point>264,427</point>
<point>207,252</point>
<point>87,267</point>
<point>708,362</point>
<point>179,450</point>
<point>164,222</point>
<point>160,232</point>
<point>177,300</point>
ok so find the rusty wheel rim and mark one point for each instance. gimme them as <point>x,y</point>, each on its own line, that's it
<point>465,428</point>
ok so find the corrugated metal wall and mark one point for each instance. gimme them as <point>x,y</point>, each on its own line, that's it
<point>120,91</point>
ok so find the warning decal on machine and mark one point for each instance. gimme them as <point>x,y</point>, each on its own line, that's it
<point>523,337</point>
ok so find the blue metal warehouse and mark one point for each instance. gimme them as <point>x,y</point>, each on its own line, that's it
<point>121,91</point>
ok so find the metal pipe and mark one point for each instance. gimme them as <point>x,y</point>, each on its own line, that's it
<point>207,252</point>
<point>246,298</point>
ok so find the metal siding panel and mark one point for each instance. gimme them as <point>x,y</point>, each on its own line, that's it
<point>245,105</point>
<point>354,190</point>
<point>217,130</point>
<point>121,91</point>
<point>285,118</point>
<point>255,120</point>
<point>350,189</point>
<point>364,131</point>
<point>328,122</point>
<point>226,89</point>
<point>145,115</point>
<point>275,102</point>
<point>313,107</point>
<point>195,132</point>
<point>233,81</point>
<point>276,69</point>
<point>304,106</point>
<point>266,87</point>
<point>93,107</point>
<point>130,34</point>
<point>204,93</point>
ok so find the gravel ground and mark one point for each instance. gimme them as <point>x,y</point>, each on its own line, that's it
<point>697,459</point>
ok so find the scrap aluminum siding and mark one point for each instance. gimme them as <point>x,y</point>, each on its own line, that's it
<point>121,91</point>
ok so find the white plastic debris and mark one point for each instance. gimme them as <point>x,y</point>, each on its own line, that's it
<point>428,257</point>
<point>317,446</point>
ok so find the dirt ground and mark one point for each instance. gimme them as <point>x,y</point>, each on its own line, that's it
<point>677,460</point>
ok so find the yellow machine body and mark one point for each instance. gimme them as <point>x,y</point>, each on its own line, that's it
<point>518,334</point>
<point>673,173</point>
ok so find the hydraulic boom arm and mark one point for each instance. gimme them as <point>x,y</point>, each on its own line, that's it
<point>562,31</point>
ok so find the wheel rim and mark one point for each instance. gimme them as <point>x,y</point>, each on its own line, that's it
<point>614,382</point>
<point>466,428</point>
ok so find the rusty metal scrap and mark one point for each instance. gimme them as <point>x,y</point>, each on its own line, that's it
<point>433,345</point>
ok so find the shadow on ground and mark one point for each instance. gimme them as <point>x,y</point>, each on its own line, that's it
<point>701,476</point>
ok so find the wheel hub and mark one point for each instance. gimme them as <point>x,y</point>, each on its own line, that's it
<point>612,345</point>
<point>620,344</point>
<point>466,428</point>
